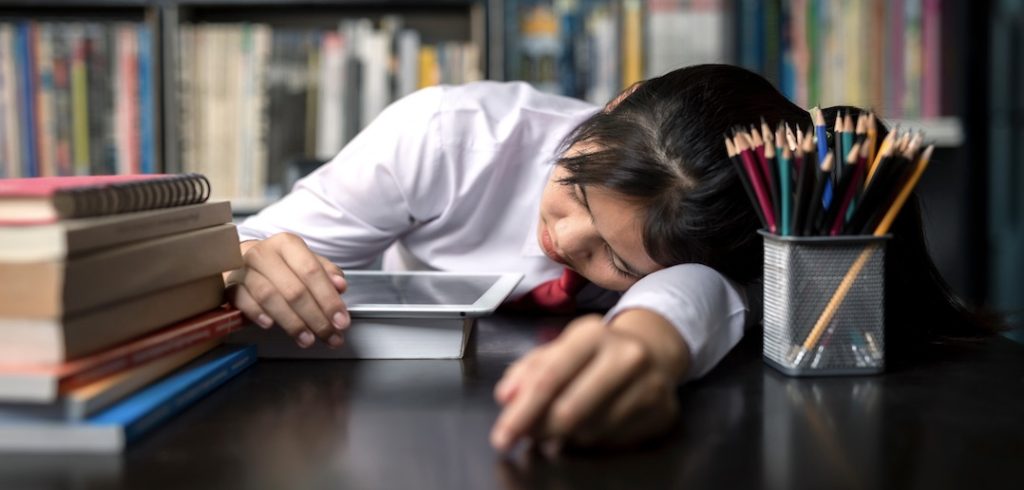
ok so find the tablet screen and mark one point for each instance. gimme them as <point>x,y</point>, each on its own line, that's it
<point>426,294</point>
<point>380,289</point>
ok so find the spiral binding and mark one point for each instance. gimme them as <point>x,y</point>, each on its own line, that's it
<point>129,197</point>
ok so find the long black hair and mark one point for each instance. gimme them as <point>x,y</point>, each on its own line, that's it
<point>661,146</point>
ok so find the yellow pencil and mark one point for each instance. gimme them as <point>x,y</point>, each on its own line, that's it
<point>844,286</point>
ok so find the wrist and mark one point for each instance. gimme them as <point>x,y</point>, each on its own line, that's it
<point>659,336</point>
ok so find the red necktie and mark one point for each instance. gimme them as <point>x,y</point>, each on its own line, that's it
<point>554,296</point>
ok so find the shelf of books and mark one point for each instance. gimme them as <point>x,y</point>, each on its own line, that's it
<point>876,54</point>
<point>263,92</point>
<point>78,93</point>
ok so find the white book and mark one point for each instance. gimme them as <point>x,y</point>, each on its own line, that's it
<point>331,114</point>
<point>370,338</point>
<point>374,52</point>
<point>12,131</point>
<point>408,62</point>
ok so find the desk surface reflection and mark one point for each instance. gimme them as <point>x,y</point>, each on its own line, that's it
<point>954,418</point>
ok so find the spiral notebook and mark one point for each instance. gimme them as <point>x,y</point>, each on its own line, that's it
<point>40,200</point>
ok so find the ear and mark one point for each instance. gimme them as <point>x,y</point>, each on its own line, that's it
<point>622,96</point>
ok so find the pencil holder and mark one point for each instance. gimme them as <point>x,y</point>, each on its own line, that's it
<point>824,304</point>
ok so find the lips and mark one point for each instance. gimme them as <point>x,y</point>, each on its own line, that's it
<point>548,246</point>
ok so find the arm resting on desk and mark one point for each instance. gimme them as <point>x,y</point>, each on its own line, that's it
<point>706,309</point>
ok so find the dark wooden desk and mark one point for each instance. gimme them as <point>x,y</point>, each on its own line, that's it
<point>952,419</point>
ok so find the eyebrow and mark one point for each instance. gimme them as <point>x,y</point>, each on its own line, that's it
<point>625,265</point>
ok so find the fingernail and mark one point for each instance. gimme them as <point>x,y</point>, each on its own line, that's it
<point>264,320</point>
<point>499,439</point>
<point>339,321</point>
<point>335,340</point>
<point>305,339</point>
<point>337,280</point>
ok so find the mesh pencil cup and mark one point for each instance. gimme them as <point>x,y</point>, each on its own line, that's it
<point>824,304</point>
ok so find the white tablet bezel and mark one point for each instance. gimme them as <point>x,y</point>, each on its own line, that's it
<point>484,305</point>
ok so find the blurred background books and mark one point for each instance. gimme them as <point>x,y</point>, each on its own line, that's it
<point>255,94</point>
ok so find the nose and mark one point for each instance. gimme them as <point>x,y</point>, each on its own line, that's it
<point>577,238</point>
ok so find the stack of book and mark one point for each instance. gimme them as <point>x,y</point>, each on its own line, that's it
<point>110,307</point>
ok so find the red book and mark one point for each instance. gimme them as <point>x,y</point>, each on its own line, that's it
<point>41,200</point>
<point>45,383</point>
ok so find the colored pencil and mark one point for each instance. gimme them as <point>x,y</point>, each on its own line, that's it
<point>730,149</point>
<point>760,187</point>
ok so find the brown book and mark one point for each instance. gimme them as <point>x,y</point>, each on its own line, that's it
<point>55,340</point>
<point>74,237</point>
<point>55,289</point>
<point>45,383</point>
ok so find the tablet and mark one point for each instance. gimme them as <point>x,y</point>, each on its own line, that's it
<point>423,294</point>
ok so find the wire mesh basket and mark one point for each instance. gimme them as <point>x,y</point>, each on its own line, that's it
<point>824,304</point>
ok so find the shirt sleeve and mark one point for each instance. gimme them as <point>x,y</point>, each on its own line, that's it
<point>387,180</point>
<point>707,309</point>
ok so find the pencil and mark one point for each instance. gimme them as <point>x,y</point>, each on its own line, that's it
<point>858,156</point>
<point>760,188</point>
<point>814,207</point>
<point>822,134</point>
<point>784,196</point>
<point>886,144</point>
<point>844,286</point>
<point>858,179</point>
<point>872,139</point>
<point>767,173</point>
<point>803,176</point>
<point>840,194</point>
<point>730,149</point>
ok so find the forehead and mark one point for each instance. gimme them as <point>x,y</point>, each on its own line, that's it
<point>620,222</point>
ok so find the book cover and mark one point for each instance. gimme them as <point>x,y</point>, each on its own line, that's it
<point>376,338</point>
<point>112,429</point>
<point>75,237</point>
<point>82,402</point>
<point>60,339</point>
<point>51,289</point>
<point>32,201</point>
<point>45,383</point>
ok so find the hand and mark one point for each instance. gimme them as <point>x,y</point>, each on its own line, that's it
<point>282,281</point>
<point>595,384</point>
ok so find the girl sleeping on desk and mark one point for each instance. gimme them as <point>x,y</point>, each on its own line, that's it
<point>633,208</point>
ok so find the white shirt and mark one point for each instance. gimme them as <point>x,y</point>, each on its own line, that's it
<point>450,178</point>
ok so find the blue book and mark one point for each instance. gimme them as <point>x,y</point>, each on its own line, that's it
<point>147,147</point>
<point>124,422</point>
<point>26,70</point>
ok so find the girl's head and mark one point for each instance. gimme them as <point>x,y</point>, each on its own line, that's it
<point>660,188</point>
<point>647,184</point>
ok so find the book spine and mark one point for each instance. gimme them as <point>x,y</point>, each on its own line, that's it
<point>62,110</point>
<point>12,128</point>
<point>80,101</point>
<point>212,330</point>
<point>190,390</point>
<point>5,161</point>
<point>147,123</point>
<point>43,75</point>
<point>932,46</point>
<point>27,109</point>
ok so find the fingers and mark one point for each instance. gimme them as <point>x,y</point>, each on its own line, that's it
<point>644,408</point>
<point>318,283</point>
<point>541,382</point>
<point>292,293</point>
<point>243,300</point>
<point>619,362</point>
<point>266,295</point>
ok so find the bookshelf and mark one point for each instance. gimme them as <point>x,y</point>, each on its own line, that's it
<point>156,121</point>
